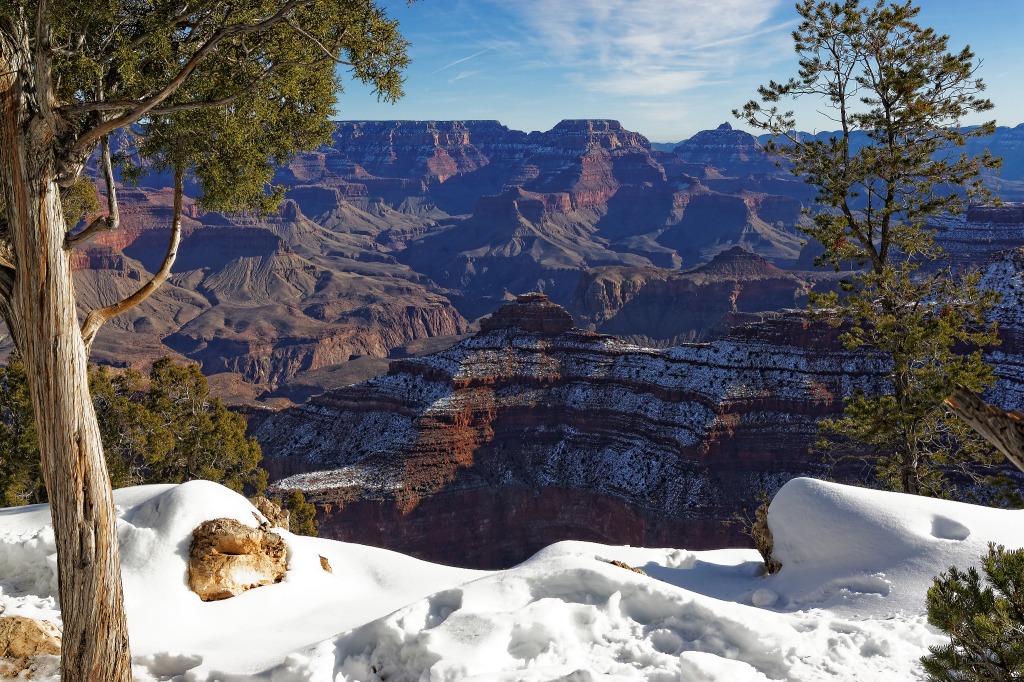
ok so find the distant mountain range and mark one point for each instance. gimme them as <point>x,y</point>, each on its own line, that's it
<point>401,232</point>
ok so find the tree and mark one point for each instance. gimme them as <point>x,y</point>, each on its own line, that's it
<point>256,80</point>
<point>195,436</point>
<point>985,623</point>
<point>128,429</point>
<point>147,436</point>
<point>899,99</point>
<point>21,481</point>
<point>303,513</point>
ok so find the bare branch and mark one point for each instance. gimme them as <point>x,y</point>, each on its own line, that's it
<point>311,38</point>
<point>112,220</point>
<point>97,318</point>
<point>1004,430</point>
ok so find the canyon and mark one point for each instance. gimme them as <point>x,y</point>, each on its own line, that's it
<point>401,233</point>
<point>534,430</point>
<point>378,330</point>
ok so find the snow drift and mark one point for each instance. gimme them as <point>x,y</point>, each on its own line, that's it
<point>848,602</point>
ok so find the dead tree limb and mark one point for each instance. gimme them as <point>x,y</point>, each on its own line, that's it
<point>1004,430</point>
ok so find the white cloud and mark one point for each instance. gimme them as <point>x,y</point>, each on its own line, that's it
<point>652,47</point>
<point>463,59</point>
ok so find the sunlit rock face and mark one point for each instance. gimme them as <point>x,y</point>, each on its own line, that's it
<point>529,433</point>
<point>398,232</point>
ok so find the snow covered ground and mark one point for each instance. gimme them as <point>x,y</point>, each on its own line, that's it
<point>848,603</point>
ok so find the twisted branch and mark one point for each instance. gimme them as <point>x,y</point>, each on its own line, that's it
<point>97,318</point>
<point>1004,430</point>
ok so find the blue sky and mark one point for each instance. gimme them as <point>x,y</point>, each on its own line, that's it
<point>664,68</point>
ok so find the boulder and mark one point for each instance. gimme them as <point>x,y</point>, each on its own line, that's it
<point>277,516</point>
<point>227,558</point>
<point>21,640</point>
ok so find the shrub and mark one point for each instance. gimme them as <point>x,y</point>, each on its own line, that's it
<point>985,622</point>
<point>303,514</point>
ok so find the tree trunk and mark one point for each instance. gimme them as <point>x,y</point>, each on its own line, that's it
<point>40,311</point>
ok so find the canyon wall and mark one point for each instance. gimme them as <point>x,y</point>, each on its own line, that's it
<point>533,431</point>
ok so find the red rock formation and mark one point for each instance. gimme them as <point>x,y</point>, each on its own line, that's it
<point>519,438</point>
<point>662,307</point>
<point>531,313</point>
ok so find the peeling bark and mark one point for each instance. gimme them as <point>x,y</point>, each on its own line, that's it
<point>1004,430</point>
<point>40,313</point>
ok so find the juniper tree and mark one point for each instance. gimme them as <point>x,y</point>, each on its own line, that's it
<point>898,97</point>
<point>214,89</point>
<point>195,436</point>
<point>164,430</point>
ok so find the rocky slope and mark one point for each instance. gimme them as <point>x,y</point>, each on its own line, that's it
<point>533,431</point>
<point>401,231</point>
<point>259,299</point>
<point>661,307</point>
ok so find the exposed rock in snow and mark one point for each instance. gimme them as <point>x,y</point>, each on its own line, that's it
<point>23,642</point>
<point>848,604</point>
<point>228,558</point>
<point>275,515</point>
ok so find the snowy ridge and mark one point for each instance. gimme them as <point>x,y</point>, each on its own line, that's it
<point>683,393</point>
<point>848,603</point>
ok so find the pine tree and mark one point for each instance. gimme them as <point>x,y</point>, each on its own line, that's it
<point>899,98</point>
<point>985,621</point>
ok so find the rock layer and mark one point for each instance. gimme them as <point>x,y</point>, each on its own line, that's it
<point>512,439</point>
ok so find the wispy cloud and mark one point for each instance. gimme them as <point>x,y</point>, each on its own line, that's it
<point>463,74</point>
<point>464,59</point>
<point>653,47</point>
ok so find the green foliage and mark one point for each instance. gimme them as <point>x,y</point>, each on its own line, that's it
<point>170,432</point>
<point>254,82</point>
<point>79,200</point>
<point>929,328</point>
<point>197,437</point>
<point>893,83</point>
<point>985,622</point>
<point>302,519</point>
<point>21,481</point>
<point>128,428</point>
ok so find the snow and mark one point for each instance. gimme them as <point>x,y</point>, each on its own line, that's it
<point>848,603</point>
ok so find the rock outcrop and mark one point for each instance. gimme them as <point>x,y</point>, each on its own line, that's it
<point>483,453</point>
<point>660,307</point>
<point>22,640</point>
<point>276,516</point>
<point>733,152</point>
<point>227,558</point>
